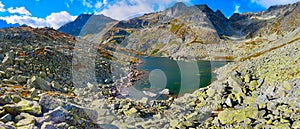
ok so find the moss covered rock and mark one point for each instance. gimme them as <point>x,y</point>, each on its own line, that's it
<point>229,116</point>
<point>30,107</point>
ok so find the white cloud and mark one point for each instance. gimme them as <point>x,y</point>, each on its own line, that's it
<point>98,5</point>
<point>2,7</point>
<point>122,10</point>
<point>268,3</point>
<point>19,10</point>
<point>87,4</point>
<point>104,2</point>
<point>54,20</point>
<point>236,8</point>
<point>28,20</point>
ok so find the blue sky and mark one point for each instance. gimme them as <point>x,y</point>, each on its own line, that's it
<point>54,13</point>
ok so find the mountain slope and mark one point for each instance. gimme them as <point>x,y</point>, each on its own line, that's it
<point>163,33</point>
<point>86,24</point>
<point>276,19</point>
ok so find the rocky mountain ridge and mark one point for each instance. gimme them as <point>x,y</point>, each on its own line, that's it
<point>86,24</point>
<point>183,32</point>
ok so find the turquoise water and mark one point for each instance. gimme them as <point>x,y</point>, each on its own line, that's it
<point>178,76</point>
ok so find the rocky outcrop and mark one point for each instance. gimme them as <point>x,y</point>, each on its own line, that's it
<point>276,19</point>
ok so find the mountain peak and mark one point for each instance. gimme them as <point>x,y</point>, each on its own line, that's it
<point>176,10</point>
<point>95,24</point>
<point>203,7</point>
<point>179,6</point>
<point>220,14</point>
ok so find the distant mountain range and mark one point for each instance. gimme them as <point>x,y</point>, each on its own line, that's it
<point>4,24</point>
<point>181,31</point>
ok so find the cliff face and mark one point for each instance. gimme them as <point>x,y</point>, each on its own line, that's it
<point>276,19</point>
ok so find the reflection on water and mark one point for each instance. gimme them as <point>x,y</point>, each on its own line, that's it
<point>178,76</point>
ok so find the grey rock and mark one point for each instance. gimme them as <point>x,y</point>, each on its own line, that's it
<point>57,115</point>
<point>62,125</point>
<point>6,118</point>
<point>39,83</point>
<point>31,107</point>
<point>260,82</point>
<point>296,124</point>
<point>56,86</point>
<point>5,99</point>
<point>3,126</point>
<point>48,125</point>
<point>16,98</point>
<point>43,74</point>
<point>144,100</point>
<point>261,99</point>
<point>211,92</point>
<point>9,81</point>
<point>51,103</point>
<point>8,59</point>
<point>229,102</point>
<point>24,116</point>
<point>16,79</point>
<point>164,92</point>
<point>25,122</point>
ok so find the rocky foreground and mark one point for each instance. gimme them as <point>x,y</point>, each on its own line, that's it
<point>259,90</point>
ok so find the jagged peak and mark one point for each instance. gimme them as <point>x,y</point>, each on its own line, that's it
<point>204,7</point>
<point>179,5</point>
<point>178,9</point>
<point>219,13</point>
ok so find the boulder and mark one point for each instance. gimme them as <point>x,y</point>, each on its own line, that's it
<point>296,124</point>
<point>57,115</point>
<point>229,102</point>
<point>165,92</point>
<point>39,83</point>
<point>51,103</point>
<point>25,122</point>
<point>48,125</point>
<point>144,100</point>
<point>229,116</point>
<point>150,94</point>
<point>211,92</point>
<point>3,126</point>
<point>6,118</point>
<point>8,59</point>
<point>27,106</point>
<point>5,99</point>
<point>56,86</point>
